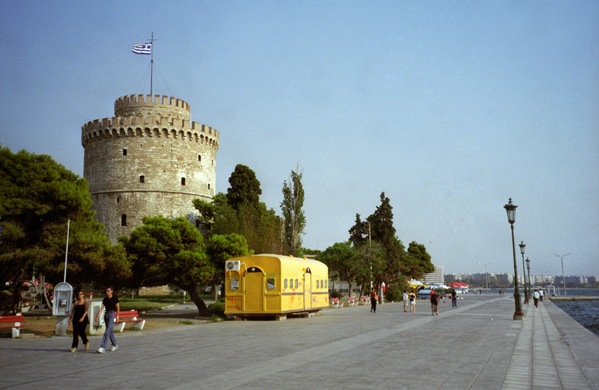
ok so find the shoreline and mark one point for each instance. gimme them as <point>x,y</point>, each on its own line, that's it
<point>574,298</point>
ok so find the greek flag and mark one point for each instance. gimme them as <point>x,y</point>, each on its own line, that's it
<point>143,48</point>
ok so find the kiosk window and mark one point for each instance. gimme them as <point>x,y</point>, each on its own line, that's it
<point>270,283</point>
<point>234,284</point>
<point>296,283</point>
<point>285,283</point>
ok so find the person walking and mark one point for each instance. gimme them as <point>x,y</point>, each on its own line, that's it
<point>454,299</point>
<point>406,301</point>
<point>541,293</point>
<point>412,298</point>
<point>434,303</point>
<point>110,305</point>
<point>373,299</point>
<point>535,297</point>
<point>79,317</point>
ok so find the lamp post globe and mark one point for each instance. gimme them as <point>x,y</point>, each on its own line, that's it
<point>522,245</point>
<point>510,209</point>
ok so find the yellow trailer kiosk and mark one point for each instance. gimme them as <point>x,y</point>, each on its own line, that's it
<point>275,285</point>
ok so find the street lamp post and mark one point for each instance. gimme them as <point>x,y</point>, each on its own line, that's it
<point>522,245</point>
<point>370,253</point>
<point>561,257</point>
<point>510,208</point>
<point>528,267</point>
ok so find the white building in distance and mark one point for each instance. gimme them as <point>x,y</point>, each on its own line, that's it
<point>435,277</point>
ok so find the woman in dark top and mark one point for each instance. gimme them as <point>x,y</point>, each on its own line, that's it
<point>434,303</point>
<point>80,320</point>
<point>373,299</point>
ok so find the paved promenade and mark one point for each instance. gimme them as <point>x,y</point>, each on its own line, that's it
<point>474,346</point>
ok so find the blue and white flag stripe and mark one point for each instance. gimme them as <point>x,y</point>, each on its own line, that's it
<point>143,48</point>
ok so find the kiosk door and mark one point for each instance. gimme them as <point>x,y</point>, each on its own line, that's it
<point>254,290</point>
<point>308,290</point>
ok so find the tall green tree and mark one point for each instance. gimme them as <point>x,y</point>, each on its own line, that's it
<point>358,234</point>
<point>354,265</point>
<point>170,251</point>
<point>216,217</point>
<point>417,261</point>
<point>244,187</point>
<point>381,221</point>
<point>383,232</point>
<point>246,215</point>
<point>260,226</point>
<point>37,199</point>
<point>293,213</point>
<point>342,260</point>
<point>373,265</point>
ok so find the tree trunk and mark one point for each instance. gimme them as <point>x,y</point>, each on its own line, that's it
<point>42,291</point>
<point>215,292</point>
<point>45,296</point>
<point>200,304</point>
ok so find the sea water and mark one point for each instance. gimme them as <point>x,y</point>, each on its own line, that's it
<point>586,313</point>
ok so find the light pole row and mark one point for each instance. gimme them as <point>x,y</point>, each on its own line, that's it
<point>528,266</point>
<point>510,208</point>
<point>522,245</point>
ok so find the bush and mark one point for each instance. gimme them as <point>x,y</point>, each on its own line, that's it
<point>335,294</point>
<point>217,308</point>
<point>393,293</point>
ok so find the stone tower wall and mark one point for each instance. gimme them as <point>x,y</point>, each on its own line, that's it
<point>149,159</point>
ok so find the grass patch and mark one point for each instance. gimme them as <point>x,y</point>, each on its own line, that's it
<point>186,322</point>
<point>147,303</point>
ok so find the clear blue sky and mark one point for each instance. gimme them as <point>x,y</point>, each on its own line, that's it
<point>450,108</point>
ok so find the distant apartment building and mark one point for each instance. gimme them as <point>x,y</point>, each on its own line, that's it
<point>450,278</point>
<point>541,280</point>
<point>478,278</point>
<point>459,277</point>
<point>435,277</point>
<point>506,280</point>
<point>573,280</point>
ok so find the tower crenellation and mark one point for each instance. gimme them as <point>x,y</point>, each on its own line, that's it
<point>148,159</point>
<point>135,104</point>
<point>150,126</point>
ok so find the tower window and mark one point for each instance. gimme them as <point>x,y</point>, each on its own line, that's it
<point>199,157</point>
<point>124,220</point>
<point>124,151</point>
<point>182,181</point>
<point>142,179</point>
<point>208,185</point>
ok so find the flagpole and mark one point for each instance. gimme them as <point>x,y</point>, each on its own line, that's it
<point>152,64</point>
<point>66,253</point>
